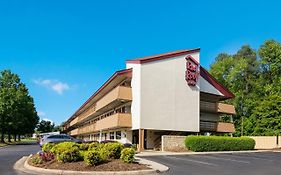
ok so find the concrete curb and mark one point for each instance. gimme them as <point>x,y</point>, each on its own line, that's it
<point>159,153</point>
<point>22,165</point>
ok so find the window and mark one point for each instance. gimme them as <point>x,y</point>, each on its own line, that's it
<point>52,137</point>
<point>123,109</point>
<point>118,135</point>
<point>111,135</point>
<point>66,137</point>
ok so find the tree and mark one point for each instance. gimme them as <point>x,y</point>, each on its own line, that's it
<point>256,84</point>
<point>17,112</point>
<point>237,73</point>
<point>45,126</point>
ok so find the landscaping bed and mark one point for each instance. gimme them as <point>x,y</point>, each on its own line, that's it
<point>87,157</point>
<point>113,165</point>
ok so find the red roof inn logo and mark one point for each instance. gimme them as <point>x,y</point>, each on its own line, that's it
<point>192,71</point>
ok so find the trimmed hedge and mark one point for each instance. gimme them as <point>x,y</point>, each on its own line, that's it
<point>218,143</point>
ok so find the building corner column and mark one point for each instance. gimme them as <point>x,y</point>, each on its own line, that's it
<point>141,140</point>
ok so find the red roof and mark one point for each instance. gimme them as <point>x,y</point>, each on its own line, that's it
<point>162,56</point>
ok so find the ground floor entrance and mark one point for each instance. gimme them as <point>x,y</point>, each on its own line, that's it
<point>142,138</point>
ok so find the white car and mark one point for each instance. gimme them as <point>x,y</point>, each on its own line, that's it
<point>57,138</point>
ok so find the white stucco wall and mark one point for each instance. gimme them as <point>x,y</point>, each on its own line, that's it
<point>136,94</point>
<point>205,86</point>
<point>166,102</point>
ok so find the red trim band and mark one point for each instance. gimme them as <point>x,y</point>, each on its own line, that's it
<point>207,76</point>
<point>162,56</point>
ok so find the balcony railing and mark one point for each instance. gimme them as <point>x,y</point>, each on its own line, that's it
<point>225,127</point>
<point>226,109</point>
<point>87,129</point>
<point>213,126</point>
<point>74,132</point>
<point>74,121</point>
<point>119,93</point>
<point>119,120</point>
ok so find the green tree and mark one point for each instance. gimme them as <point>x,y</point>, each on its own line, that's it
<point>256,84</point>
<point>237,72</point>
<point>17,111</point>
<point>45,126</point>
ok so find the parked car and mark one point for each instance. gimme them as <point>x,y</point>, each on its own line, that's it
<point>108,141</point>
<point>57,138</point>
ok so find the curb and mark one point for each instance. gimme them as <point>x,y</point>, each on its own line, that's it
<point>146,154</point>
<point>22,165</point>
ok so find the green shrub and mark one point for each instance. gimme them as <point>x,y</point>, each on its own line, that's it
<point>134,146</point>
<point>94,146</point>
<point>128,155</point>
<point>69,155</point>
<point>60,147</point>
<point>67,152</point>
<point>218,143</point>
<point>84,146</point>
<point>82,154</point>
<point>114,149</point>
<point>93,157</point>
<point>105,154</point>
<point>37,159</point>
<point>47,147</point>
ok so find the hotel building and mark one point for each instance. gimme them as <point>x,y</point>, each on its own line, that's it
<point>166,94</point>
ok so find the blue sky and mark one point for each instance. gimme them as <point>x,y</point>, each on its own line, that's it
<point>65,50</point>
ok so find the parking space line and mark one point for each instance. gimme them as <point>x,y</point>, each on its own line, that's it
<point>228,159</point>
<point>191,160</point>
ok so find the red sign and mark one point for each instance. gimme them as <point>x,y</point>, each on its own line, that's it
<point>192,71</point>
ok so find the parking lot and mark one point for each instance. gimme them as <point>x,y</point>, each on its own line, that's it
<point>261,163</point>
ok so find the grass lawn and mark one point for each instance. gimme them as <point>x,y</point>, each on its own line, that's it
<point>27,140</point>
<point>2,144</point>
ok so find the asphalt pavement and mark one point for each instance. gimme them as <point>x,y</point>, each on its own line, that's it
<point>11,153</point>
<point>259,163</point>
<point>262,163</point>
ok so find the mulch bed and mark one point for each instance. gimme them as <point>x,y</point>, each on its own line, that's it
<point>112,165</point>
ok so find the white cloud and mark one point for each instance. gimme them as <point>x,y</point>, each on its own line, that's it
<point>41,114</point>
<point>55,85</point>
